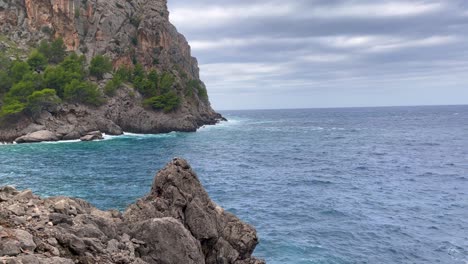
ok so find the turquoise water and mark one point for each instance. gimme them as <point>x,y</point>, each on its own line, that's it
<point>364,185</point>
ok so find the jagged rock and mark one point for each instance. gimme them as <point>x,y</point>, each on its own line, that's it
<point>177,193</point>
<point>15,241</point>
<point>175,223</point>
<point>167,242</point>
<point>38,136</point>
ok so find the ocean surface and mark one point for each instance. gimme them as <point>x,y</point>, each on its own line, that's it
<point>361,185</point>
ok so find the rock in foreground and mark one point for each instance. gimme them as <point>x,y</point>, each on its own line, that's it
<point>176,223</point>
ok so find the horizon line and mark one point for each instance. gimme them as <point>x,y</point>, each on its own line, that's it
<point>341,107</point>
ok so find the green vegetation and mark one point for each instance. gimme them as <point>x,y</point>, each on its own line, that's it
<point>82,92</point>
<point>100,65</point>
<point>37,61</point>
<point>46,99</point>
<point>44,80</point>
<point>112,86</point>
<point>156,88</point>
<point>167,102</point>
<point>196,86</point>
<point>50,76</point>
<point>55,52</point>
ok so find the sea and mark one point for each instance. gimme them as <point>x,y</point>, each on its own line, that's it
<point>347,185</point>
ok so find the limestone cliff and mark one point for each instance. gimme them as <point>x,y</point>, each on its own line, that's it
<point>125,31</point>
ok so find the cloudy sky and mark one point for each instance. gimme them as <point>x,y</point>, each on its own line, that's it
<point>259,54</point>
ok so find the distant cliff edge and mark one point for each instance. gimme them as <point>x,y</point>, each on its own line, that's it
<point>153,85</point>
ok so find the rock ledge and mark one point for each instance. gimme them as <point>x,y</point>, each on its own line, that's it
<point>175,223</point>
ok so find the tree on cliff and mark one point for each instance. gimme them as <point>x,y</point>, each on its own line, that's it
<point>37,61</point>
<point>55,51</point>
<point>100,65</point>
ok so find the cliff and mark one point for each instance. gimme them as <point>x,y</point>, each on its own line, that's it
<point>175,223</point>
<point>127,32</point>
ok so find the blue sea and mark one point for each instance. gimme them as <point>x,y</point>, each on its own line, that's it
<point>357,185</point>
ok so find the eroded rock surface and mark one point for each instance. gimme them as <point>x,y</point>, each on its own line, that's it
<point>175,223</point>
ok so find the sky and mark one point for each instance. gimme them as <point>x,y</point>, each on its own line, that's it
<point>270,54</point>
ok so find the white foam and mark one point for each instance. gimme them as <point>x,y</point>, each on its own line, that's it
<point>221,125</point>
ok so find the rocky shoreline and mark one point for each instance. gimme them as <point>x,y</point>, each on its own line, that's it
<point>129,33</point>
<point>122,113</point>
<point>175,223</point>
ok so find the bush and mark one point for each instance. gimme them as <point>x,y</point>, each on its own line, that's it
<point>100,65</point>
<point>57,78</point>
<point>46,99</point>
<point>12,107</point>
<point>167,102</point>
<point>74,64</point>
<point>55,52</point>
<point>124,74</point>
<point>165,82</point>
<point>18,69</point>
<point>37,61</point>
<point>20,91</point>
<point>36,79</point>
<point>5,82</point>
<point>112,86</point>
<point>82,92</point>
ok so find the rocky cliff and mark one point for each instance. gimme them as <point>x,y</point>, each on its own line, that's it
<point>128,32</point>
<point>176,223</point>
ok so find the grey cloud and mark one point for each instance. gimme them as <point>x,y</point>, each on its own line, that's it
<point>322,48</point>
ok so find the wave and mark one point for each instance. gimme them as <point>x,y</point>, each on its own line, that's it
<point>222,125</point>
<point>128,135</point>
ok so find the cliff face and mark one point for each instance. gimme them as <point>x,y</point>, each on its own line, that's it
<point>125,31</point>
<point>176,223</point>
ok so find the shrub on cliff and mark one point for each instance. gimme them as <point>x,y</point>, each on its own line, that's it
<point>112,86</point>
<point>20,91</point>
<point>55,52</point>
<point>5,82</point>
<point>37,61</point>
<point>74,64</point>
<point>18,69</point>
<point>46,99</point>
<point>82,92</point>
<point>16,99</point>
<point>167,102</point>
<point>57,78</point>
<point>11,108</point>
<point>100,65</point>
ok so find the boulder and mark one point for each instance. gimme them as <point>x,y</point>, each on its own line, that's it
<point>15,241</point>
<point>91,136</point>
<point>38,136</point>
<point>167,241</point>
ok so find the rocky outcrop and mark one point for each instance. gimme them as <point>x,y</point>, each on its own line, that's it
<point>38,136</point>
<point>127,32</point>
<point>175,223</point>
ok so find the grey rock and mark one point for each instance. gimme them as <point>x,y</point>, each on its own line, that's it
<point>91,136</point>
<point>176,223</point>
<point>168,242</point>
<point>177,192</point>
<point>39,136</point>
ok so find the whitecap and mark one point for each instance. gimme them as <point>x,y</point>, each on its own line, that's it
<point>222,125</point>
